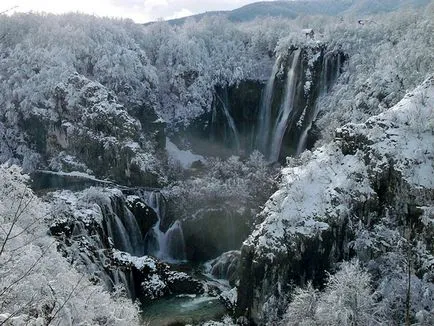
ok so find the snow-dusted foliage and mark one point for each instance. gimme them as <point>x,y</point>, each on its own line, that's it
<point>389,55</point>
<point>39,51</point>
<point>226,321</point>
<point>231,183</point>
<point>38,286</point>
<point>80,93</point>
<point>174,69</point>
<point>346,300</point>
<point>192,60</point>
<point>70,86</point>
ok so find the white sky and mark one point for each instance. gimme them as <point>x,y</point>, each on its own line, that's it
<point>139,10</point>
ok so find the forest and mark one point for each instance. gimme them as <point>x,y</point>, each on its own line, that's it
<point>239,168</point>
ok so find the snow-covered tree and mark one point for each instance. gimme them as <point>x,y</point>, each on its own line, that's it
<point>302,309</point>
<point>347,300</point>
<point>37,285</point>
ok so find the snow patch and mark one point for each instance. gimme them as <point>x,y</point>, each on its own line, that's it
<point>186,158</point>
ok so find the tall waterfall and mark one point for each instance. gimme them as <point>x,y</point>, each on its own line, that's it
<point>168,246</point>
<point>262,135</point>
<point>230,121</point>
<point>329,74</point>
<point>285,109</point>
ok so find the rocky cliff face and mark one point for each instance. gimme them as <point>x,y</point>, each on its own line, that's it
<point>103,231</point>
<point>84,128</point>
<point>373,185</point>
<point>245,117</point>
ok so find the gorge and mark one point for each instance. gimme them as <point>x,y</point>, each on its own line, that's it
<point>216,172</point>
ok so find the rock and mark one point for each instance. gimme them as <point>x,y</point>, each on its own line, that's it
<point>351,140</point>
<point>156,278</point>
<point>181,283</point>
<point>153,287</point>
<point>229,299</point>
<point>226,266</point>
<point>87,130</point>
<point>146,217</point>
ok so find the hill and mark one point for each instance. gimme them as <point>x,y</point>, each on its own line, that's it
<point>293,9</point>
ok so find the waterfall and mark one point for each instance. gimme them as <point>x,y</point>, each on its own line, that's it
<point>213,122</point>
<point>173,243</point>
<point>135,235</point>
<point>285,109</point>
<point>265,110</point>
<point>168,246</point>
<point>118,233</point>
<point>119,277</point>
<point>303,137</point>
<point>230,121</point>
<point>122,228</point>
<point>329,74</point>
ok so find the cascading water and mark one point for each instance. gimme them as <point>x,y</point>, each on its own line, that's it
<point>265,110</point>
<point>285,109</point>
<point>168,246</point>
<point>329,74</point>
<point>123,229</point>
<point>119,277</point>
<point>135,235</point>
<point>230,121</point>
<point>118,233</point>
<point>276,121</point>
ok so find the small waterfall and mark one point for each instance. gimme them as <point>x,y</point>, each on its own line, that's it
<point>230,121</point>
<point>122,227</point>
<point>213,122</point>
<point>330,72</point>
<point>118,233</point>
<point>119,277</point>
<point>303,137</point>
<point>285,109</point>
<point>173,243</point>
<point>168,246</point>
<point>135,235</point>
<point>265,111</point>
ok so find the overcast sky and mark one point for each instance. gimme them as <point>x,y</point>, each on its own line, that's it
<point>139,10</point>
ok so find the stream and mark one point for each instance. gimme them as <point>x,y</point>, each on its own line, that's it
<point>182,310</point>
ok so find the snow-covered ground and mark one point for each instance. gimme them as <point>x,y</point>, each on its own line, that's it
<point>184,157</point>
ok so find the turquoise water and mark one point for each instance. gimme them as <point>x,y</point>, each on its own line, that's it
<point>182,310</point>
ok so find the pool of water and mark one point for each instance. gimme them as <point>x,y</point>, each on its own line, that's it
<point>182,310</point>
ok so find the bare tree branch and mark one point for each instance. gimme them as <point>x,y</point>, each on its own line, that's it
<point>19,211</point>
<point>7,10</point>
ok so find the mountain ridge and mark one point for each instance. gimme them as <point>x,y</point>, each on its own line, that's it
<point>293,9</point>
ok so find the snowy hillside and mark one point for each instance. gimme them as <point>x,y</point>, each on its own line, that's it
<point>323,183</point>
<point>356,196</point>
